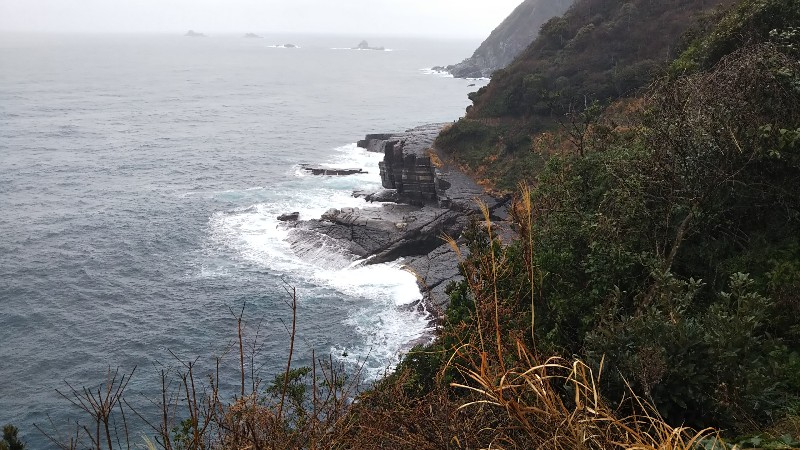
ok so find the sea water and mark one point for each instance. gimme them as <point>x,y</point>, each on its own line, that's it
<point>141,177</point>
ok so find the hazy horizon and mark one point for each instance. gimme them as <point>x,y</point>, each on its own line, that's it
<point>442,18</point>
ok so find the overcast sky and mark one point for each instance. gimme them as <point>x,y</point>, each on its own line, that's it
<point>457,18</point>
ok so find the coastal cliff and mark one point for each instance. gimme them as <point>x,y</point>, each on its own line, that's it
<point>509,39</point>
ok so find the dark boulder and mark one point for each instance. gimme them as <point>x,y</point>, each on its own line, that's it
<point>384,195</point>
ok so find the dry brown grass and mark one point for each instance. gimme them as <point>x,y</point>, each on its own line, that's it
<point>556,404</point>
<point>435,159</point>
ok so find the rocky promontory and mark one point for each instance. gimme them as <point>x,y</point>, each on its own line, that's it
<point>509,39</point>
<point>424,198</point>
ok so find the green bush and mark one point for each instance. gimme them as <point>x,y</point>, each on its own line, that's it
<point>11,439</point>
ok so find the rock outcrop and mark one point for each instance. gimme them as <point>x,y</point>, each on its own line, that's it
<point>288,217</point>
<point>364,45</point>
<point>509,39</point>
<point>423,201</point>
<point>375,142</point>
<point>408,168</point>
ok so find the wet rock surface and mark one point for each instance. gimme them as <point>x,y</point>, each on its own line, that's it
<point>435,271</point>
<point>319,170</point>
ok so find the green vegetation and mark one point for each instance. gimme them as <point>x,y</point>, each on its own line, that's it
<point>749,22</point>
<point>599,51</point>
<point>664,244</point>
<point>11,439</point>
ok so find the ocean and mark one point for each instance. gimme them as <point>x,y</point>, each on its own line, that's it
<point>141,177</point>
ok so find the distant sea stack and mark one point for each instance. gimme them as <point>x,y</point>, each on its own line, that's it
<point>192,33</point>
<point>509,39</point>
<point>364,45</point>
<point>252,36</point>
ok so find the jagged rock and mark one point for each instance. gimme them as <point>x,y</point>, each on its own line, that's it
<point>288,217</point>
<point>375,142</point>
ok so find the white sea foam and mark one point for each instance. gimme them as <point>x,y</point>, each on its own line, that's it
<point>446,74</point>
<point>440,73</point>
<point>384,322</point>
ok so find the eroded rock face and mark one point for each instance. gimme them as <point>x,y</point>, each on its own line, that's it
<point>509,39</point>
<point>407,167</point>
<point>410,173</point>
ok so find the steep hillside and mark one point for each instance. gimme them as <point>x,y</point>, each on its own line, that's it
<point>599,51</point>
<point>659,241</point>
<point>509,39</point>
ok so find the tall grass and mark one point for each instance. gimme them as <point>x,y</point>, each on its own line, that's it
<point>544,402</point>
<point>492,391</point>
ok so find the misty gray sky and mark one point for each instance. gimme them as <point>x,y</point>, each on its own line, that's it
<point>457,18</point>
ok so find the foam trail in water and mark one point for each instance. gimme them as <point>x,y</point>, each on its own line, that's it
<point>445,74</point>
<point>441,73</point>
<point>384,321</point>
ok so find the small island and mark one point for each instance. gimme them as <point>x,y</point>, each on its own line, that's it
<point>252,36</point>
<point>364,45</point>
<point>192,33</point>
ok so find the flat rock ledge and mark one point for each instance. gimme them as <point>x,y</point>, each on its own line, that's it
<point>319,170</point>
<point>421,202</point>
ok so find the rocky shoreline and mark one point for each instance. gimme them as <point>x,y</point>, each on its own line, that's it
<point>425,198</point>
